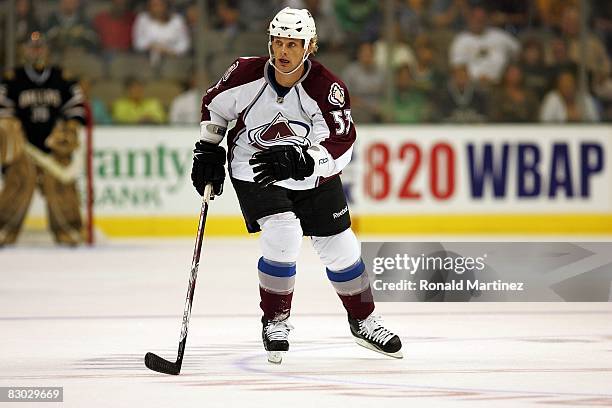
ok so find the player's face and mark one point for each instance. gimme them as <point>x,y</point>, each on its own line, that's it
<point>37,55</point>
<point>288,53</point>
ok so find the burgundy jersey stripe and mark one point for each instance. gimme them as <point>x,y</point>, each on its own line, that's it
<point>318,86</point>
<point>242,71</point>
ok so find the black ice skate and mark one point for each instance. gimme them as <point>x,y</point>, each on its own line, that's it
<point>371,334</point>
<point>274,335</point>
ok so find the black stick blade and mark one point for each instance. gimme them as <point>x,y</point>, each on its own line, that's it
<point>156,363</point>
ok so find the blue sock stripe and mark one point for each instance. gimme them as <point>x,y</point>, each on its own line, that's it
<point>347,274</point>
<point>276,269</point>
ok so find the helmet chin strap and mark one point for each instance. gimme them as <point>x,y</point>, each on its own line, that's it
<point>306,54</point>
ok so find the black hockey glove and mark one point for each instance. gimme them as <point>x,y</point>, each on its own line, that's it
<point>208,167</point>
<point>281,163</point>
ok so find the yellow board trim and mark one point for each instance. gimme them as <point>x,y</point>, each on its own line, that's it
<point>125,227</point>
<point>423,224</point>
<point>169,226</point>
<point>537,224</point>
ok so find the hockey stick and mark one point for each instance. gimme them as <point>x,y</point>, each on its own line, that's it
<point>153,361</point>
<point>65,174</point>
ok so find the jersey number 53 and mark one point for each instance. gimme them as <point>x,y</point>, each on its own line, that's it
<point>343,121</point>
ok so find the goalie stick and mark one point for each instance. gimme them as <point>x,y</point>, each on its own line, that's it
<point>153,361</point>
<point>65,174</point>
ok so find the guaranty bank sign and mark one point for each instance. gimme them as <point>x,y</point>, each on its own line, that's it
<point>143,171</point>
<point>140,177</point>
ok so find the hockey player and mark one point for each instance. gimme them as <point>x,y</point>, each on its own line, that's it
<point>40,115</point>
<point>293,136</point>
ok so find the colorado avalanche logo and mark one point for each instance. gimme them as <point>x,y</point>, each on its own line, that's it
<point>280,131</point>
<point>336,95</point>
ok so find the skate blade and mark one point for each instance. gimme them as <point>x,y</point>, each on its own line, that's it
<point>398,354</point>
<point>275,357</point>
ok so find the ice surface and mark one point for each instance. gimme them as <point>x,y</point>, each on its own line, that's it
<point>83,319</point>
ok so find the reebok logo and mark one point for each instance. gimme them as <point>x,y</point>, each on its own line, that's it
<point>340,213</point>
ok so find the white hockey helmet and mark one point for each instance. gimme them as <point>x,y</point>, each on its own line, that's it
<point>293,23</point>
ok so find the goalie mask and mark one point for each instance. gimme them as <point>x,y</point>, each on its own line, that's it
<point>292,23</point>
<point>36,51</point>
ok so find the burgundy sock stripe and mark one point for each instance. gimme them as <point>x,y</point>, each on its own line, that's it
<point>275,306</point>
<point>359,306</point>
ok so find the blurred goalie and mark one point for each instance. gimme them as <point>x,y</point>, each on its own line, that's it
<point>41,113</point>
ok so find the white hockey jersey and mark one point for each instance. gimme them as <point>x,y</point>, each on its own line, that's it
<point>315,112</point>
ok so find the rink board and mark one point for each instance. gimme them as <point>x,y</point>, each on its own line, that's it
<point>402,180</point>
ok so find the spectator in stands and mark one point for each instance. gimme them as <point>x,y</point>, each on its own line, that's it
<point>134,108</point>
<point>427,78</point>
<point>411,105</point>
<point>330,35</point>
<point>160,32</point>
<point>359,19</point>
<point>510,15</point>
<point>114,27</point>
<point>98,108</point>
<point>449,14</point>
<point>413,16</point>
<point>460,101</point>
<point>228,19</point>
<point>602,88</point>
<point>401,53</point>
<point>185,108</point>
<point>536,75</point>
<point>511,101</point>
<point>255,14</point>
<point>566,104</point>
<point>558,57</point>
<point>549,12</point>
<point>484,50</point>
<point>26,21</point>
<point>366,82</point>
<point>602,14</point>
<point>192,19</point>
<point>67,29</point>
<point>597,59</point>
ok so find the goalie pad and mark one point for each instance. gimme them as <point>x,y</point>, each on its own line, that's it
<point>12,140</point>
<point>64,140</point>
<point>58,183</point>
<point>54,173</point>
<point>63,208</point>
<point>19,182</point>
